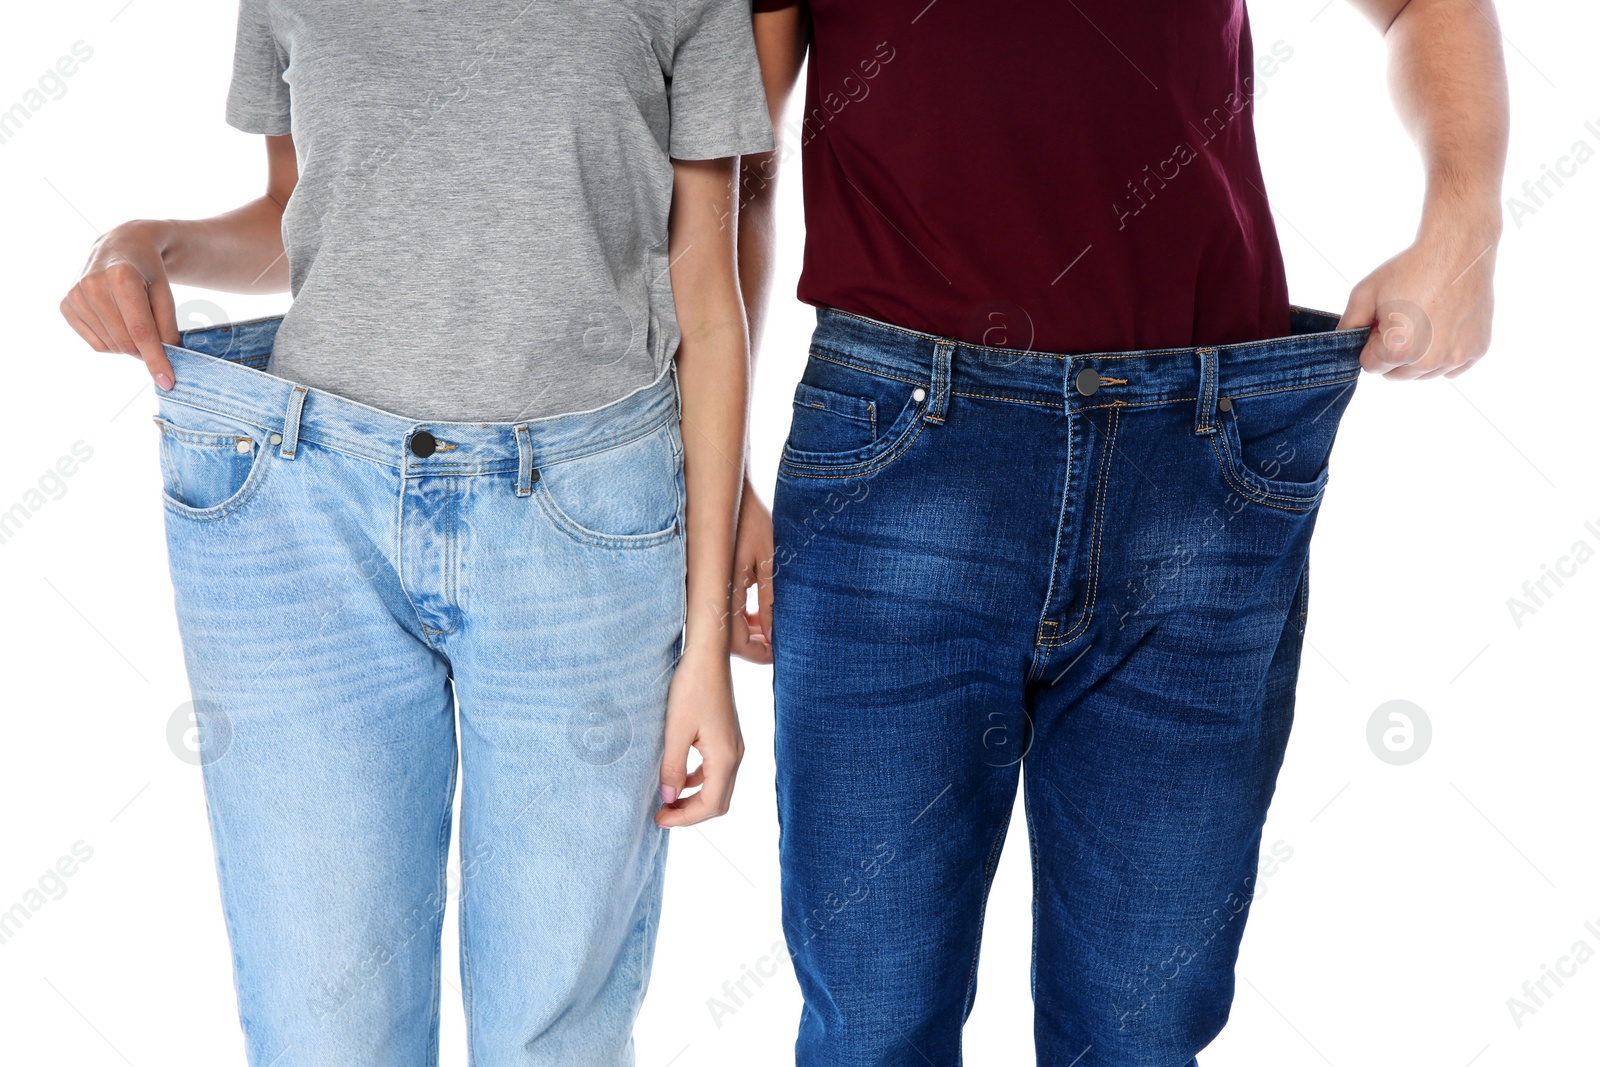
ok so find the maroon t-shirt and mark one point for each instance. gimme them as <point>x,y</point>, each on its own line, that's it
<point>1061,175</point>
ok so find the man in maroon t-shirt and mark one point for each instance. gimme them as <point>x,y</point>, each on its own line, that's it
<point>1050,484</point>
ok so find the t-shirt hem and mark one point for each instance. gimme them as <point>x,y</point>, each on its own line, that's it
<point>721,144</point>
<point>262,122</point>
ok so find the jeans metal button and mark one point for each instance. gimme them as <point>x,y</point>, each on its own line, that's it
<point>1224,404</point>
<point>1088,381</point>
<point>423,444</point>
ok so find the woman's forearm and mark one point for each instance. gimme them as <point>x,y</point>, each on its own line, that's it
<point>123,300</point>
<point>713,387</point>
<point>713,381</point>
<point>238,251</point>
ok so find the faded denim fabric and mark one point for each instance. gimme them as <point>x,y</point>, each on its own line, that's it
<point>347,581</point>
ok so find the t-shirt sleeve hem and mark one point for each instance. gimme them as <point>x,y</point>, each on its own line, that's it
<point>250,120</point>
<point>719,144</point>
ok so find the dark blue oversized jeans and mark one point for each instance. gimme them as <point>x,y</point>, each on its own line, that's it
<point>1085,572</point>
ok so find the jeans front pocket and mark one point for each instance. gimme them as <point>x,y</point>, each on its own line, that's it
<point>826,422</point>
<point>849,421</point>
<point>1273,446</point>
<point>211,464</point>
<point>628,495</point>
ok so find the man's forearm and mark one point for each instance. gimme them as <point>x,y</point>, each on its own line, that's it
<point>757,239</point>
<point>1431,307</point>
<point>781,41</point>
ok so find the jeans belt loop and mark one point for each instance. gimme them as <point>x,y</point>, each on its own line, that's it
<point>939,402</point>
<point>1206,405</point>
<point>291,422</point>
<point>524,460</point>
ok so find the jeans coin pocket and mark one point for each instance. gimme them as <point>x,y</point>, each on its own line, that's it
<point>207,459</point>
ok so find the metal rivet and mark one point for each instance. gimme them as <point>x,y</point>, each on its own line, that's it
<point>1224,404</point>
<point>275,439</point>
<point>1088,381</point>
<point>244,446</point>
<point>919,395</point>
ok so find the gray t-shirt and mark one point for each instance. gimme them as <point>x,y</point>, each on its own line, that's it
<point>480,228</point>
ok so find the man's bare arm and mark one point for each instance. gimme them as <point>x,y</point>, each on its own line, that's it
<point>781,40</point>
<point>1432,305</point>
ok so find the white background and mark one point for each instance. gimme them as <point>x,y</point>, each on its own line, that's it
<point>1417,899</point>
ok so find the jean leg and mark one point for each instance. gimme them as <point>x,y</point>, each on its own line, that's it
<point>1146,798</point>
<point>904,612</point>
<point>563,660</point>
<point>328,746</point>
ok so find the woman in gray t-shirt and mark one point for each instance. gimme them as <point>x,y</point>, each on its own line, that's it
<point>443,509</point>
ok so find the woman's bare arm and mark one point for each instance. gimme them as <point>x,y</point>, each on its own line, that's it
<point>713,382</point>
<point>123,300</point>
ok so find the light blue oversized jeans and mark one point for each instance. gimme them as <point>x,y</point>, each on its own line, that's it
<point>346,579</point>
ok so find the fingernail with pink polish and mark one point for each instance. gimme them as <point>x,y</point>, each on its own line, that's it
<point>669,794</point>
<point>164,381</point>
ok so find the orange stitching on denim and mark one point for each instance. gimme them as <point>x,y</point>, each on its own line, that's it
<point>1136,403</point>
<point>1041,402</point>
<point>894,453</point>
<point>829,357</point>
<point>1208,389</point>
<point>1296,388</point>
<point>1259,496</point>
<point>1082,624</point>
<point>1289,497</point>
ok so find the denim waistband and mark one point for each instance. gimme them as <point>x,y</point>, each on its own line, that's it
<point>222,369</point>
<point>1314,353</point>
